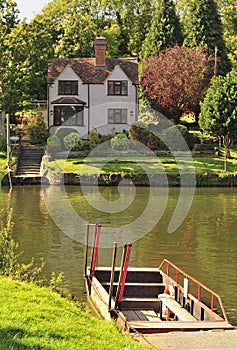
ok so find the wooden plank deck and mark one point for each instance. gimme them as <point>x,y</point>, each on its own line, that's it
<point>141,315</point>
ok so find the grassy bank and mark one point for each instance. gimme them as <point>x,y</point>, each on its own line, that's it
<point>203,165</point>
<point>36,318</point>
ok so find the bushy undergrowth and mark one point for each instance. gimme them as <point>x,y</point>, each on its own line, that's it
<point>72,142</point>
<point>37,130</point>
<point>120,142</point>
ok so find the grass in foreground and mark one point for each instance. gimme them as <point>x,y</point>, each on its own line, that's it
<point>35,318</point>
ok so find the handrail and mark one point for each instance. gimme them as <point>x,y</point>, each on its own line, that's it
<point>200,285</point>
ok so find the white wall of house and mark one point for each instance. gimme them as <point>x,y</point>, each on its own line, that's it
<point>96,116</point>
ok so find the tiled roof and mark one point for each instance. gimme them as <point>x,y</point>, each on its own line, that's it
<point>86,70</point>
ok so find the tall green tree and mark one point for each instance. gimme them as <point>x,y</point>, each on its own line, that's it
<point>8,20</point>
<point>31,46</point>
<point>202,26</point>
<point>228,13</point>
<point>164,31</point>
<point>219,110</point>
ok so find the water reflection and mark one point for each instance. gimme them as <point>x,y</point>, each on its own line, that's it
<point>205,245</point>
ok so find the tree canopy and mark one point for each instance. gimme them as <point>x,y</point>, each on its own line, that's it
<point>132,28</point>
<point>165,30</point>
<point>175,80</point>
<point>202,26</point>
<point>219,109</point>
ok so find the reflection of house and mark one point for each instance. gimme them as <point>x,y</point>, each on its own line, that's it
<point>93,93</point>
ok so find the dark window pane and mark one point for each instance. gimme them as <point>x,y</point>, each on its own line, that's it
<point>68,115</point>
<point>117,116</point>
<point>118,87</point>
<point>68,87</point>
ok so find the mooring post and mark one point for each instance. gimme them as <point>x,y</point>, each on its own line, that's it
<point>111,287</point>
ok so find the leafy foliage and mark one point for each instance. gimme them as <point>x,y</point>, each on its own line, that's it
<point>94,138</point>
<point>140,132</point>
<point>54,144</point>
<point>202,27</point>
<point>219,109</point>
<point>37,129</point>
<point>165,30</point>
<point>73,142</point>
<point>120,142</point>
<point>175,80</point>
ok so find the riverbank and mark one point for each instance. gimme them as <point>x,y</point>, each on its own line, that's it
<point>74,169</point>
<point>35,318</point>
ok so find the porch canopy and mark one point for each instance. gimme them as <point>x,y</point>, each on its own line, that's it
<point>68,101</point>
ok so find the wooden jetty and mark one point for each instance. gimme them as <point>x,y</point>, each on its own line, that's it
<point>151,300</point>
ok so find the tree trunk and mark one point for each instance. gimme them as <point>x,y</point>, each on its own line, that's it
<point>227,143</point>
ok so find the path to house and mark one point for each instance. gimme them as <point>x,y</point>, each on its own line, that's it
<point>202,340</point>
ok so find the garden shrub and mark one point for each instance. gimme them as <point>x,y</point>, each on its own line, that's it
<point>93,138</point>
<point>37,130</point>
<point>62,132</point>
<point>145,134</point>
<point>171,138</point>
<point>54,144</point>
<point>120,142</point>
<point>73,142</point>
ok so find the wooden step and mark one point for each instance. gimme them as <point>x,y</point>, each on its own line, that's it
<point>174,326</point>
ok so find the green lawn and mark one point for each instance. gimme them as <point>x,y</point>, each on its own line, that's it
<point>203,165</point>
<point>36,318</point>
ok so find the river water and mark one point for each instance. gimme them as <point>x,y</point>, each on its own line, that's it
<point>50,223</point>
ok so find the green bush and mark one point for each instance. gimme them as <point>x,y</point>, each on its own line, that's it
<point>54,144</point>
<point>62,132</point>
<point>174,141</point>
<point>37,130</point>
<point>120,142</point>
<point>73,142</point>
<point>143,133</point>
<point>94,138</point>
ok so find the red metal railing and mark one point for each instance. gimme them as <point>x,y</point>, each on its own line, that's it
<point>200,286</point>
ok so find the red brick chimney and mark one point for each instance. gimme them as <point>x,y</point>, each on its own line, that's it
<point>100,51</point>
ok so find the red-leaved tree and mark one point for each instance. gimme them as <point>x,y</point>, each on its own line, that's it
<point>175,81</point>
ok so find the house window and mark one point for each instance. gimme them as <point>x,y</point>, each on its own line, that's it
<point>118,87</point>
<point>117,116</point>
<point>68,87</point>
<point>68,115</point>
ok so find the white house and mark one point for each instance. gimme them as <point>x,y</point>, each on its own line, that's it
<point>93,93</point>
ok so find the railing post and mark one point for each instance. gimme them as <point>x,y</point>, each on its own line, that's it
<point>112,275</point>
<point>86,249</point>
<point>212,302</point>
<point>168,269</point>
<point>177,277</point>
<point>125,270</point>
<point>199,292</point>
<point>95,250</point>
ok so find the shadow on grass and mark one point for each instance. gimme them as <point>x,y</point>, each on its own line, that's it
<point>14,338</point>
